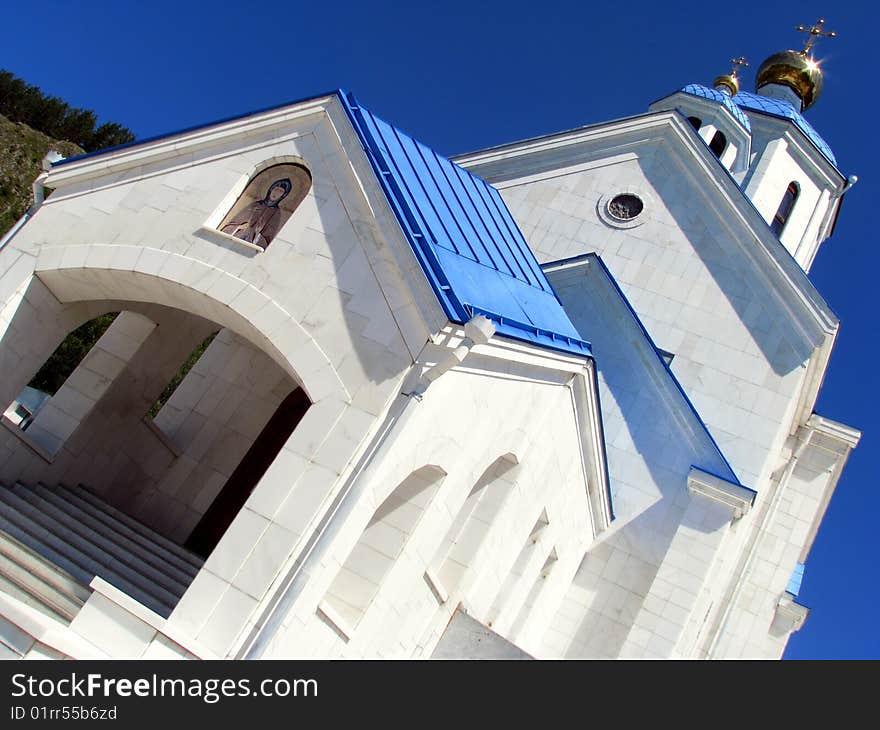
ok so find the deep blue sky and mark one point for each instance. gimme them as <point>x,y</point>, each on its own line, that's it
<point>465,75</point>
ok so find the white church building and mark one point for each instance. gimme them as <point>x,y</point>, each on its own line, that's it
<point>550,399</point>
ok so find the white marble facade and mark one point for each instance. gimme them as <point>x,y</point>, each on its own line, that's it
<point>434,470</point>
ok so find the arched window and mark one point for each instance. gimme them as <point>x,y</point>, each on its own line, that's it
<point>718,143</point>
<point>378,548</point>
<point>696,122</point>
<point>266,203</point>
<point>459,549</point>
<point>786,205</point>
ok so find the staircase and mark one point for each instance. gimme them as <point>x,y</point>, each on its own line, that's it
<point>54,540</point>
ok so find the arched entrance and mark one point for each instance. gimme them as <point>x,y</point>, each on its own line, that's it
<point>184,475</point>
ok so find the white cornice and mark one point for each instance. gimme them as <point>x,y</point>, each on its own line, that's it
<point>736,497</point>
<point>711,112</point>
<point>790,615</point>
<point>502,357</point>
<point>182,143</point>
<point>661,378</point>
<point>847,435</point>
<point>807,152</point>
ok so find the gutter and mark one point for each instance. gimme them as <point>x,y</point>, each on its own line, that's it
<point>39,193</point>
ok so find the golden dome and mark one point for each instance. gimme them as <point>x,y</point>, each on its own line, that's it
<point>793,69</point>
<point>728,83</point>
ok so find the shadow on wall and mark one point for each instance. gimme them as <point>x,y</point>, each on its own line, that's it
<point>617,575</point>
<point>652,440</point>
<point>762,316</point>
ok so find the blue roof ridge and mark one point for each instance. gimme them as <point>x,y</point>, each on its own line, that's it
<point>704,92</point>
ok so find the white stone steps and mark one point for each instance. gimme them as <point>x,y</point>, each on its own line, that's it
<point>85,539</point>
<point>22,576</point>
<point>75,499</point>
<point>42,530</point>
<point>86,525</point>
<point>159,541</point>
<point>32,634</point>
<point>40,547</point>
<point>41,568</point>
<point>12,587</point>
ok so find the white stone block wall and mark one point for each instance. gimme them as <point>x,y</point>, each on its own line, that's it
<point>633,591</point>
<point>213,418</point>
<point>789,523</point>
<point>456,429</point>
<point>735,354</point>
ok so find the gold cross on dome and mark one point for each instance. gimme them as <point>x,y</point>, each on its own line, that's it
<point>737,62</point>
<point>815,32</point>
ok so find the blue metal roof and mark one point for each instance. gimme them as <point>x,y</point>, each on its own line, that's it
<point>724,99</point>
<point>465,239</point>
<point>784,110</point>
<point>797,577</point>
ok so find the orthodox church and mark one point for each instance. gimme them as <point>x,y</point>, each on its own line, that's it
<point>355,399</point>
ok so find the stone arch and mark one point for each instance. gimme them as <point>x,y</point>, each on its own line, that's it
<point>470,527</point>
<point>381,542</point>
<point>75,283</point>
<point>148,275</point>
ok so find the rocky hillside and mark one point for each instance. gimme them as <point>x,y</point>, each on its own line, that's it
<point>21,151</point>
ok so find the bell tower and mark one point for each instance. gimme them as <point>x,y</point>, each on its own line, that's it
<point>783,165</point>
<point>793,179</point>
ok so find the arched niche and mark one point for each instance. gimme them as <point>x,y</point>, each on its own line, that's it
<point>268,201</point>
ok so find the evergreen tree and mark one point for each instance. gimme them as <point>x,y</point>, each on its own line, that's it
<point>22,102</point>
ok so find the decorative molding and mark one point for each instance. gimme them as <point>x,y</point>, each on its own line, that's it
<point>776,269</point>
<point>233,239</point>
<point>833,429</point>
<point>790,615</point>
<point>638,191</point>
<point>178,144</point>
<point>735,496</point>
<point>712,114</point>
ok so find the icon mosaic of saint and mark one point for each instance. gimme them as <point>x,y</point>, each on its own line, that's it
<point>259,222</point>
<point>266,204</point>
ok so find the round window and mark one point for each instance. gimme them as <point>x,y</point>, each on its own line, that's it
<point>625,207</point>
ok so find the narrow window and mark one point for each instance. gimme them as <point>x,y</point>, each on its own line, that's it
<point>783,212</point>
<point>696,122</point>
<point>459,549</point>
<point>378,548</point>
<point>718,143</point>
